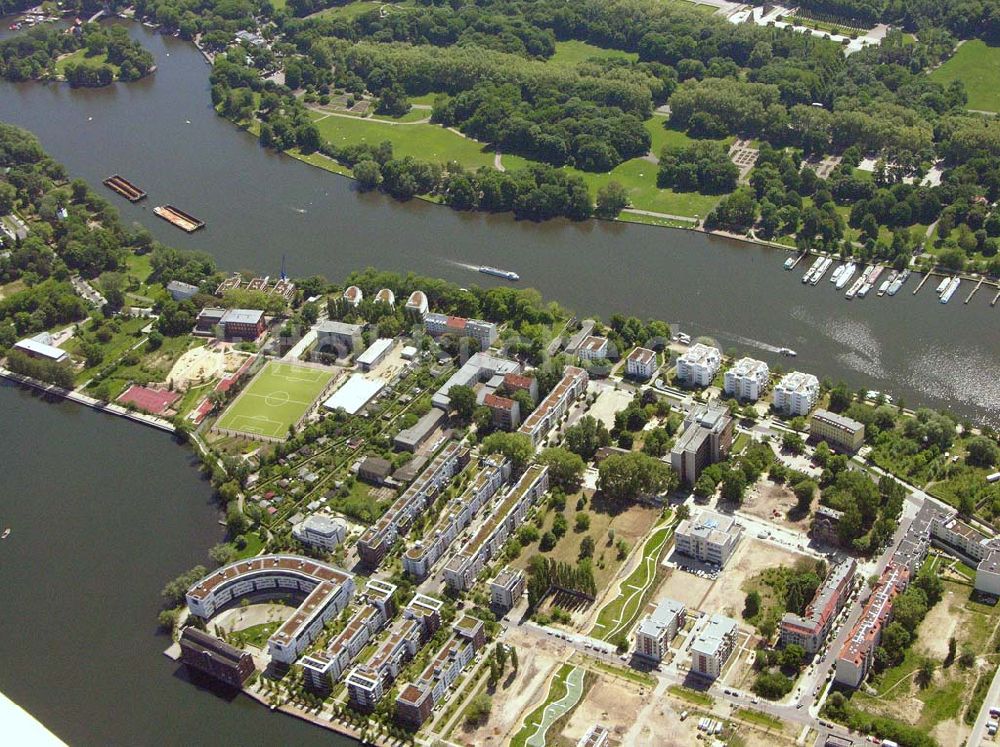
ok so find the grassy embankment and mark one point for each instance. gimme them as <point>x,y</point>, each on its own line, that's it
<point>618,616</point>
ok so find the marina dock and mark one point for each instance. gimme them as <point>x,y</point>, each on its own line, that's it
<point>971,294</point>
<point>179,218</point>
<point>921,284</point>
<point>124,187</point>
<point>995,298</point>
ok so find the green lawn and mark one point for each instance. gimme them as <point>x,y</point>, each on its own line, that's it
<point>977,65</point>
<point>425,142</point>
<point>617,617</point>
<point>691,696</point>
<point>140,265</point>
<point>277,398</point>
<point>79,57</point>
<point>350,10</point>
<point>254,545</point>
<point>573,52</point>
<point>638,176</point>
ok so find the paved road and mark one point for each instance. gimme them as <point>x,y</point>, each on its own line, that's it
<point>991,699</point>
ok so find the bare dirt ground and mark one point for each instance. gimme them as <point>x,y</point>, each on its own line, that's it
<point>203,364</point>
<point>390,366</point>
<point>725,593</point>
<point>952,731</point>
<point>609,702</point>
<point>538,661</point>
<point>608,403</point>
<point>938,626</point>
<point>771,502</point>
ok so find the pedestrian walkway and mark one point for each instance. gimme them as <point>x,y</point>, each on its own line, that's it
<point>554,711</point>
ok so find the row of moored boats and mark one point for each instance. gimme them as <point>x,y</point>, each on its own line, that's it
<point>857,280</point>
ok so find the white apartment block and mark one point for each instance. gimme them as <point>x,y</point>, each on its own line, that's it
<point>796,393</point>
<point>641,364</point>
<point>698,366</point>
<point>484,332</point>
<point>658,628</point>
<point>506,588</point>
<point>320,531</point>
<point>713,646</point>
<point>708,536</point>
<point>747,379</point>
<point>593,348</point>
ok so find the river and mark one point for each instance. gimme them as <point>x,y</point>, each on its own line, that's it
<point>105,511</point>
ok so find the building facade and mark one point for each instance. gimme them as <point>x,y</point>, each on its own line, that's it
<point>641,364</point>
<point>657,629</point>
<point>699,365</point>
<point>842,433</point>
<point>708,536</point>
<point>747,380</point>
<point>713,646</point>
<point>707,438</point>
<point>215,657</point>
<point>506,588</point>
<point>796,393</point>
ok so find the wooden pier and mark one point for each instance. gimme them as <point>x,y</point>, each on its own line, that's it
<point>124,187</point>
<point>921,285</point>
<point>973,292</point>
<point>797,260</point>
<point>995,298</point>
<point>179,218</point>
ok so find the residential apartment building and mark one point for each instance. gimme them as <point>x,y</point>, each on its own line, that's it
<point>456,516</point>
<point>506,412</point>
<point>641,364</point>
<point>811,629</point>
<point>320,531</point>
<point>593,348</point>
<point>657,629</point>
<point>506,588</point>
<point>483,332</point>
<point>708,536</point>
<point>519,383</point>
<point>706,439</point>
<point>796,393</point>
<point>367,683</point>
<point>461,571</point>
<point>416,700</point>
<point>375,542</point>
<point>327,591</point>
<point>838,431</point>
<point>747,380</point>
<point>544,417</point>
<point>858,653</point>
<point>698,366</point>
<point>713,645</point>
<point>181,291</point>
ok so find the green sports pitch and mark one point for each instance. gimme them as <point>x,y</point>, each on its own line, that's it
<point>277,397</point>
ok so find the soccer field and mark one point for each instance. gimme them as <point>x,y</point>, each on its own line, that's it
<point>277,397</point>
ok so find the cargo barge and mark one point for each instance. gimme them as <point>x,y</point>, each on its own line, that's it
<point>179,218</point>
<point>124,187</point>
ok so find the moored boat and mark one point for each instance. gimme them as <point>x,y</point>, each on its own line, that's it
<point>849,269</point>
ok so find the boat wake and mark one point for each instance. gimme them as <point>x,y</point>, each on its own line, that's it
<point>463,265</point>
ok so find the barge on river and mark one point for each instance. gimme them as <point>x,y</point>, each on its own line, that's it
<point>179,218</point>
<point>124,187</point>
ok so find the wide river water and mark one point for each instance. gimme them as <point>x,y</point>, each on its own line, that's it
<point>105,511</point>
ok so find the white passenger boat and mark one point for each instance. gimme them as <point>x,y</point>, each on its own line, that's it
<point>849,269</point>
